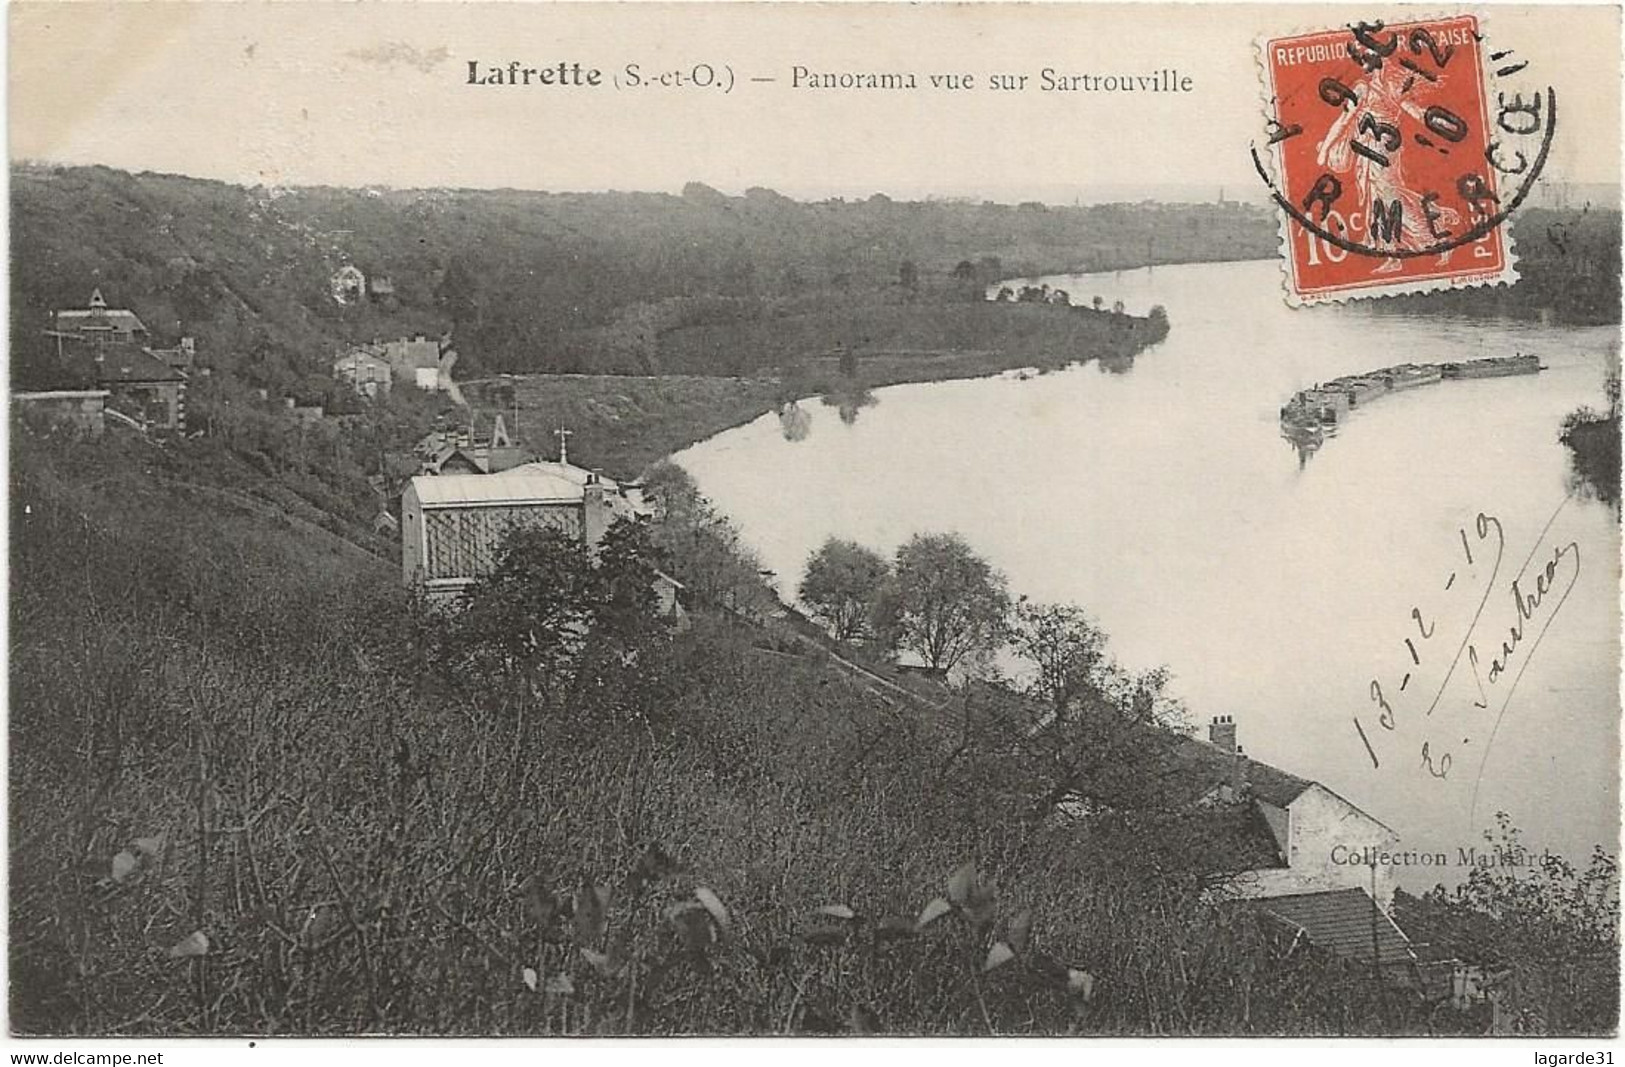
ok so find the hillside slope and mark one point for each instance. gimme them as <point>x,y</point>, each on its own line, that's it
<point>248,271</point>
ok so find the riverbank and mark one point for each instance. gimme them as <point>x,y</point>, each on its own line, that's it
<point>1594,446</point>
<point>624,423</point>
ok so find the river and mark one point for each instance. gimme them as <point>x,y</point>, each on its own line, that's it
<point>1277,585</point>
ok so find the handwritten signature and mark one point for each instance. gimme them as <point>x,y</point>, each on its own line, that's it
<point>1496,648</point>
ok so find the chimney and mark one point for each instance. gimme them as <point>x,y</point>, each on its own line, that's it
<point>1221,733</point>
<point>595,514</point>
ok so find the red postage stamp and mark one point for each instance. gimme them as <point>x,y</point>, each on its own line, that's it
<point>1396,162</point>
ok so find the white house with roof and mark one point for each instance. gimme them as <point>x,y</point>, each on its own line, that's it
<point>1319,886</point>
<point>1319,837</point>
<point>453,525</point>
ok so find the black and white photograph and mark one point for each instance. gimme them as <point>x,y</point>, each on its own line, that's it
<point>790,520</point>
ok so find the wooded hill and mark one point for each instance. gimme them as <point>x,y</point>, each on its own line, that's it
<point>521,274</point>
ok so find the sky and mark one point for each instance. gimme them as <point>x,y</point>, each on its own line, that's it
<point>377,94</point>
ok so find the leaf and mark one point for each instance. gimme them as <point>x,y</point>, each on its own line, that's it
<point>1021,928</point>
<point>997,956</point>
<point>590,919</point>
<point>838,911</point>
<point>529,976</point>
<point>560,984</point>
<point>195,943</point>
<point>713,906</point>
<point>961,882</point>
<point>1080,984</point>
<point>933,911</point>
<point>124,865</point>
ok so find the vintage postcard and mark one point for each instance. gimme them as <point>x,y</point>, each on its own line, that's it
<point>791,519</point>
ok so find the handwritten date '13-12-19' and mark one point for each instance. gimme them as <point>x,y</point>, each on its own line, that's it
<point>1482,661</point>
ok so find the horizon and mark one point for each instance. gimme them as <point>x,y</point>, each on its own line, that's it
<point>1082,196</point>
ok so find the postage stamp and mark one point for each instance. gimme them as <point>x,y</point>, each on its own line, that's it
<point>1399,153</point>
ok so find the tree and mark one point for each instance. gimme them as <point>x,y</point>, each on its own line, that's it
<point>1097,302</point>
<point>703,546</point>
<point>1117,307</point>
<point>458,294</point>
<point>526,620</point>
<point>840,585</point>
<point>621,597</point>
<point>1547,931</point>
<point>1065,647</point>
<point>964,271</point>
<point>949,602</point>
<point>908,275</point>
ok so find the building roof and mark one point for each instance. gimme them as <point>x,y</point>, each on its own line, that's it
<point>418,353</point>
<point>1346,922</point>
<point>541,482</point>
<point>119,364</point>
<point>112,318</point>
<point>359,355</point>
<point>1210,767</point>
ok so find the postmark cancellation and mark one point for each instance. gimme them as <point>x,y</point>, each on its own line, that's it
<point>1397,155</point>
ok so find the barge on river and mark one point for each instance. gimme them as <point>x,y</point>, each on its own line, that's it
<point>1326,405</point>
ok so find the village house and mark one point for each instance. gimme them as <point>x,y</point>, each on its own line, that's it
<point>466,451</point>
<point>99,324</point>
<point>77,410</point>
<point>348,284</point>
<point>140,386</point>
<point>423,361</point>
<point>453,525</point>
<point>1290,839</point>
<point>367,372</point>
<point>1309,832</point>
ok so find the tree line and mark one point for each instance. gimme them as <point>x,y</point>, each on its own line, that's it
<point>941,602</point>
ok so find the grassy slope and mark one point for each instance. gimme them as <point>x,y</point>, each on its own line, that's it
<point>355,841</point>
